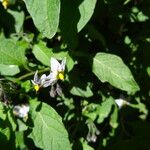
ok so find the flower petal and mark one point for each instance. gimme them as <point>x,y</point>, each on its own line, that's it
<point>43,77</point>
<point>46,83</point>
<point>52,92</point>
<point>54,64</point>
<point>36,77</point>
<point>33,82</point>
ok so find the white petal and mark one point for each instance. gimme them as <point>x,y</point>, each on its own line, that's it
<point>53,80</point>
<point>120,102</point>
<point>49,76</point>
<point>43,76</point>
<point>54,64</point>
<point>47,83</point>
<point>33,82</point>
<point>53,75</point>
<point>36,76</point>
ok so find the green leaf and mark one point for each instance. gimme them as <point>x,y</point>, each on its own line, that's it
<point>12,53</point>
<point>113,118</point>
<point>44,54</point>
<point>48,132</point>
<point>9,70</point>
<point>90,111</point>
<point>45,15</point>
<point>6,132</point>
<point>86,9</point>
<point>86,146</point>
<point>21,125</point>
<point>18,18</point>
<point>26,85</point>
<point>20,140</point>
<point>148,71</point>
<point>110,68</point>
<point>142,108</point>
<point>82,92</point>
<point>2,110</point>
<point>12,122</point>
<point>104,109</point>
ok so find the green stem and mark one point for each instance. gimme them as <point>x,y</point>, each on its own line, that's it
<point>32,73</point>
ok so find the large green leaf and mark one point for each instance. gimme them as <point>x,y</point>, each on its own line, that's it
<point>44,54</point>
<point>110,68</point>
<point>12,52</point>
<point>86,9</point>
<point>48,132</point>
<point>45,15</point>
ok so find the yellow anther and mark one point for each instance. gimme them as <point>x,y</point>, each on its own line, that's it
<point>5,3</point>
<point>60,76</point>
<point>36,87</point>
<point>25,118</point>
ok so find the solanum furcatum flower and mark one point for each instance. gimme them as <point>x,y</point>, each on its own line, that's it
<point>56,73</point>
<point>57,70</point>
<point>43,81</point>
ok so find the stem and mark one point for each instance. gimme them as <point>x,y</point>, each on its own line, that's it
<point>32,73</point>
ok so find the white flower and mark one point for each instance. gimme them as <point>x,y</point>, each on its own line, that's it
<point>57,73</point>
<point>57,70</point>
<point>21,111</point>
<point>121,102</point>
<point>43,81</point>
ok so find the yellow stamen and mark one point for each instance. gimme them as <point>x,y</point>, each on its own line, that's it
<point>5,4</point>
<point>36,87</point>
<point>25,118</point>
<point>60,75</point>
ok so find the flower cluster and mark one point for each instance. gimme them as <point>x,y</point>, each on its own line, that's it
<point>56,73</point>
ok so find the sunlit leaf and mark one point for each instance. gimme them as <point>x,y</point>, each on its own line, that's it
<point>110,68</point>
<point>86,9</point>
<point>104,109</point>
<point>12,53</point>
<point>20,140</point>
<point>113,118</point>
<point>45,15</point>
<point>42,53</point>
<point>19,19</point>
<point>48,132</point>
<point>82,92</point>
<point>9,70</point>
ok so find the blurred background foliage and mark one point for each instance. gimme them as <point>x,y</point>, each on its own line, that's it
<point>106,43</point>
